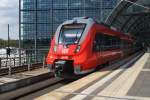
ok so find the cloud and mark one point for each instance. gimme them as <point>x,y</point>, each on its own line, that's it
<point>9,15</point>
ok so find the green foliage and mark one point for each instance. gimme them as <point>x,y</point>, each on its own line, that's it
<point>12,43</point>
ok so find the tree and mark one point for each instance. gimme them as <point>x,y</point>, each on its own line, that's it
<point>4,43</point>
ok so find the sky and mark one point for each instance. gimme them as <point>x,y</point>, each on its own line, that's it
<point>9,15</point>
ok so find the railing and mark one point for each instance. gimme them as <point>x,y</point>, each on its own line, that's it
<point>9,66</point>
<point>14,63</point>
<point>27,55</point>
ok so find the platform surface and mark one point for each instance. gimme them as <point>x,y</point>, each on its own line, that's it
<point>18,76</point>
<point>125,83</point>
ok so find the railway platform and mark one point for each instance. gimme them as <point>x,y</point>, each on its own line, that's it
<point>22,75</point>
<point>129,82</point>
<point>14,85</point>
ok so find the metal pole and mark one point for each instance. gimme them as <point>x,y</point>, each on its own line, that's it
<point>0,63</point>
<point>19,32</point>
<point>9,73</point>
<point>67,9</point>
<point>8,37</point>
<point>35,38</point>
<point>8,43</point>
<point>29,63</point>
<point>101,10</point>
<point>84,8</point>
<point>43,62</point>
<point>14,62</point>
<point>52,17</point>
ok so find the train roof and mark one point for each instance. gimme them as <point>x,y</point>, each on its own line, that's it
<point>84,20</point>
<point>102,26</point>
<point>110,31</point>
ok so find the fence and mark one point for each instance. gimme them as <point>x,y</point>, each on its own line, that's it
<point>27,58</point>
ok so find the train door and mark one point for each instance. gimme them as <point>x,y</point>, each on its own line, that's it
<point>107,47</point>
<point>98,47</point>
<point>103,48</point>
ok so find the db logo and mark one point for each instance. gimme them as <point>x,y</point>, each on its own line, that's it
<point>65,51</point>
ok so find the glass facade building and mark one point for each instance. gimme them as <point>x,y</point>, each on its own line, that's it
<point>39,19</point>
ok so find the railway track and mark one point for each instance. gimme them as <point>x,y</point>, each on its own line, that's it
<point>43,86</point>
<point>34,90</point>
<point>57,83</point>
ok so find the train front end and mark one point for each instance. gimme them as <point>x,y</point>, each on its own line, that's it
<point>69,50</point>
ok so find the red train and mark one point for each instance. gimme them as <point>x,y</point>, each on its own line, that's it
<point>81,44</point>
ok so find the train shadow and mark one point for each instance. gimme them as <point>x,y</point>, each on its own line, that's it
<point>111,67</point>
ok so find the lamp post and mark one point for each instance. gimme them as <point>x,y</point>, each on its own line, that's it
<point>8,37</point>
<point>8,44</point>
<point>19,32</point>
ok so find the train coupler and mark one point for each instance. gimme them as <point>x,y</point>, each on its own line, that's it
<point>63,67</point>
<point>59,67</point>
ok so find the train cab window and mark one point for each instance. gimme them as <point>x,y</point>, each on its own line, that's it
<point>71,34</point>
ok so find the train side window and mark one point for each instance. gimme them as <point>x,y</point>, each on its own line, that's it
<point>115,42</point>
<point>104,42</point>
<point>109,42</point>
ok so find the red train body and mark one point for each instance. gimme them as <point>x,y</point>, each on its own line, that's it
<point>81,44</point>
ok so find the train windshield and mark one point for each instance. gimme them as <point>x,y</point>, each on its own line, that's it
<point>71,34</point>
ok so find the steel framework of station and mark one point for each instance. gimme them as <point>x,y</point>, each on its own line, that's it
<point>132,17</point>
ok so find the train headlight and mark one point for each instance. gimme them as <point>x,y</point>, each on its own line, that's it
<point>77,49</point>
<point>77,69</point>
<point>50,68</point>
<point>55,48</point>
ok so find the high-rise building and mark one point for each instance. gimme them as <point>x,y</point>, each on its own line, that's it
<point>40,18</point>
